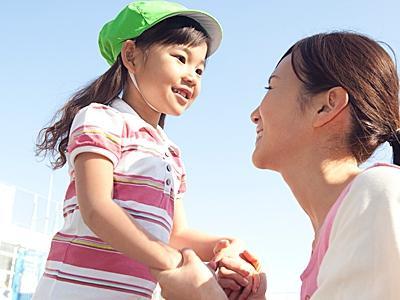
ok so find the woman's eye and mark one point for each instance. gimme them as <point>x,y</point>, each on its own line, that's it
<point>199,72</point>
<point>268,87</point>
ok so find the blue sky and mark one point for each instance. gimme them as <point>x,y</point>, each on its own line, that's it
<point>49,50</point>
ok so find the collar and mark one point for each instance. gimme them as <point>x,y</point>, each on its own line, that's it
<point>157,133</point>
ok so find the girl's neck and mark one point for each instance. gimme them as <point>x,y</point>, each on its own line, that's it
<point>135,100</point>
<point>317,183</point>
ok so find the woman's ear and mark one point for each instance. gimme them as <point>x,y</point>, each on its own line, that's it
<point>129,55</point>
<point>329,105</point>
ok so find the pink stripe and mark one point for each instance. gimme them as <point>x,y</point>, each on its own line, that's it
<point>139,217</point>
<point>70,193</point>
<point>182,187</point>
<point>144,195</point>
<point>140,177</point>
<point>95,285</point>
<point>94,140</point>
<point>136,211</point>
<point>81,237</point>
<point>129,149</point>
<point>99,279</point>
<point>70,206</point>
<point>152,221</point>
<point>139,193</point>
<point>97,259</point>
<point>101,106</point>
<point>67,213</point>
<point>141,133</point>
<point>91,127</point>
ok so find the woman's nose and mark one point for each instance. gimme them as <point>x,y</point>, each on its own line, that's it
<point>255,116</point>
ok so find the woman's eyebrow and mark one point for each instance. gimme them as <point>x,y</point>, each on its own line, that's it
<point>272,76</point>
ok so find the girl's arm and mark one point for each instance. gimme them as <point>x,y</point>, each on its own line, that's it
<point>94,185</point>
<point>203,244</point>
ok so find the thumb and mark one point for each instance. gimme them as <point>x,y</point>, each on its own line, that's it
<point>221,244</point>
<point>189,256</point>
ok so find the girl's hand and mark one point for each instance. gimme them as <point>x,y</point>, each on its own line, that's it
<point>225,248</point>
<point>238,276</point>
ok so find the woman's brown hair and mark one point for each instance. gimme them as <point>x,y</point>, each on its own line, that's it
<point>366,71</point>
<point>53,139</point>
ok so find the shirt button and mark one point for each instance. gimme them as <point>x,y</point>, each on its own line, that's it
<point>168,182</point>
<point>168,168</point>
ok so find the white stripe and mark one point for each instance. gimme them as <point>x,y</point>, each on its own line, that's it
<point>123,280</point>
<point>74,224</point>
<point>145,208</point>
<point>51,289</point>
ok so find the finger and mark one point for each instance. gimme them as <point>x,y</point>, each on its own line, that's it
<point>189,256</point>
<point>226,273</point>
<point>227,292</point>
<point>217,258</point>
<point>246,291</point>
<point>221,244</point>
<point>256,282</point>
<point>226,283</point>
<point>212,265</point>
<point>234,295</point>
<point>246,255</point>
<point>237,265</point>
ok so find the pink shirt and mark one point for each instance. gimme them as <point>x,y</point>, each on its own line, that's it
<point>148,177</point>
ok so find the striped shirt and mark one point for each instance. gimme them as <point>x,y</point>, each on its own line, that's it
<point>148,177</point>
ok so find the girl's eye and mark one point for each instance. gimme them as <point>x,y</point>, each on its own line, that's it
<point>199,72</point>
<point>181,58</point>
<point>268,87</point>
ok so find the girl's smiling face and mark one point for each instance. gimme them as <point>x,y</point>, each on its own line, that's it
<point>282,127</point>
<point>169,76</point>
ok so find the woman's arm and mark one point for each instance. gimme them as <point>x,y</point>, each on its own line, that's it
<point>94,187</point>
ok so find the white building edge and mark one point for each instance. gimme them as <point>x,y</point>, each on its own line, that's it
<point>27,222</point>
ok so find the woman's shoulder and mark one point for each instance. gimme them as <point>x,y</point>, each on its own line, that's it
<point>377,187</point>
<point>379,176</point>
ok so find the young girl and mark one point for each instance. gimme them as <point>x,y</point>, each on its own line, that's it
<point>123,208</point>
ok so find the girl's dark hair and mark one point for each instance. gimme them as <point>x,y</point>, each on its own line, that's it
<point>366,71</point>
<point>53,139</point>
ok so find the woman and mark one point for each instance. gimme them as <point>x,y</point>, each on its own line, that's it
<point>331,101</point>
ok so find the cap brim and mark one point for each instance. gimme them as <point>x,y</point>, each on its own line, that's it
<point>210,25</point>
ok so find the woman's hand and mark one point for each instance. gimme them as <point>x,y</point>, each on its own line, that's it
<point>239,277</point>
<point>193,280</point>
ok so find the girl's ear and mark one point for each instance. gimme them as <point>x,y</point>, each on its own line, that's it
<point>128,55</point>
<point>329,105</point>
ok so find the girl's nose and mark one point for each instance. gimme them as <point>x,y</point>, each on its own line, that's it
<point>255,116</point>
<point>189,79</point>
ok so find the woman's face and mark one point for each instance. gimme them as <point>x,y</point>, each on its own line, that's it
<point>282,127</point>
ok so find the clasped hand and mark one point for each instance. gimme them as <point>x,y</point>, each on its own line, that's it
<point>229,275</point>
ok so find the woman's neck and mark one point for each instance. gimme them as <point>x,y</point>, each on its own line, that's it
<point>317,183</point>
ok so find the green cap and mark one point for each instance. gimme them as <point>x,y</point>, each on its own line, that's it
<point>139,16</point>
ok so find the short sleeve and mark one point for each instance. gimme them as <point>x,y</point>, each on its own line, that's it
<point>363,258</point>
<point>182,187</point>
<point>98,129</point>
